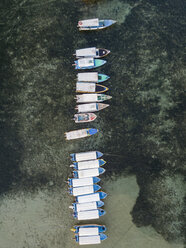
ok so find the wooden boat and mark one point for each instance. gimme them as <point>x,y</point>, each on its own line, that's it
<point>89,215</point>
<point>92,98</point>
<point>78,182</point>
<point>83,87</point>
<point>81,156</point>
<point>88,63</point>
<point>90,240</point>
<point>81,133</point>
<point>84,190</point>
<point>88,173</point>
<point>92,77</point>
<point>91,52</point>
<point>94,24</point>
<point>84,117</point>
<point>90,164</point>
<point>81,229</point>
<point>90,197</point>
<point>90,107</point>
<point>78,207</point>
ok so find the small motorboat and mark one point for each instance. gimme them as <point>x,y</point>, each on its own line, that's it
<point>81,156</point>
<point>94,24</point>
<point>88,63</point>
<point>90,164</point>
<point>90,107</point>
<point>89,215</point>
<point>88,173</point>
<point>84,190</point>
<point>91,52</point>
<point>90,88</point>
<point>90,197</point>
<point>82,230</point>
<point>81,133</point>
<point>92,77</point>
<point>78,182</point>
<point>84,117</point>
<point>78,207</point>
<point>92,98</point>
<point>90,240</point>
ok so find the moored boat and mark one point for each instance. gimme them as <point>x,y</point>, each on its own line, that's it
<point>88,173</point>
<point>89,215</point>
<point>94,24</point>
<point>81,156</point>
<point>92,77</point>
<point>81,229</point>
<point>91,197</point>
<point>91,52</point>
<point>78,207</point>
<point>90,164</point>
<point>90,107</point>
<point>88,63</point>
<point>81,133</point>
<point>84,117</point>
<point>84,190</point>
<point>78,182</point>
<point>82,87</point>
<point>90,240</point>
<point>92,98</point>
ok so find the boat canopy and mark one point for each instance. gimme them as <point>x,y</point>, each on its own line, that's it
<point>88,173</point>
<point>76,134</point>
<point>88,77</point>
<point>86,87</point>
<point>83,190</point>
<point>87,107</point>
<point>85,62</point>
<point>88,164</point>
<point>87,97</point>
<point>89,22</point>
<point>88,198</point>
<point>78,182</point>
<point>85,156</point>
<point>89,231</point>
<point>86,206</point>
<point>89,240</point>
<point>88,215</point>
<point>86,52</point>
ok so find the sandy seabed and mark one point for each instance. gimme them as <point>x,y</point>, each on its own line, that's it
<point>44,219</point>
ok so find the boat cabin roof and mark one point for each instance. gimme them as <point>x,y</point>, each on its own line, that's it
<point>85,62</point>
<point>88,240</point>
<point>90,214</point>
<point>88,198</point>
<point>88,76</point>
<point>85,206</point>
<point>89,231</point>
<point>86,87</point>
<point>78,182</point>
<point>85,52</point>
<point>89,23</point>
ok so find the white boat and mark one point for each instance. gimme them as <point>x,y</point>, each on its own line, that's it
<point>90,164</point>
<point>84,190</point>
<point>89,215</point>
<point>94,24</point>
<point>78,182</point>
<point>81,133</point>
<point>91,197</point>
<point>91,77</point>
<point>78,207</point>
<point>90,107</point>
<point>84,117</point>
<point>91,52</point>
<point>88,173</point>
<point>92,98</point>
<point>83,87</point>
<point>81,156</point>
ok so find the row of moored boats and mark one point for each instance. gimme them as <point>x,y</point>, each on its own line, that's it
<point>87,166</point>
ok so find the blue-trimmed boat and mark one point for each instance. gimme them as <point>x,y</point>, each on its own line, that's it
<point>94,24</point>
<point>91,197</point>
<point>90,240</point>
<point>88,173</point>
<point>83,165</point>
<point>88,63</point>
<point>81,133</point>
<point>77,207</point>
<point>84,190</point>
<point>89,215</point>
<point>94,77</point>
<point>81,156</point>
<point>79,182</point>
<point>77,228</point>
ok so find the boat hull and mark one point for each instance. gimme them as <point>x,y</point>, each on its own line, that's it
<point>84,117</point>
<point>81,133</point>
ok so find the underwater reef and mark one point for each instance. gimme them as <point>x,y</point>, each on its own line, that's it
<point>142,132</point>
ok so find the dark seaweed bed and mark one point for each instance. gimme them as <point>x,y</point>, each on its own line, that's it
<point>142,132</point>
